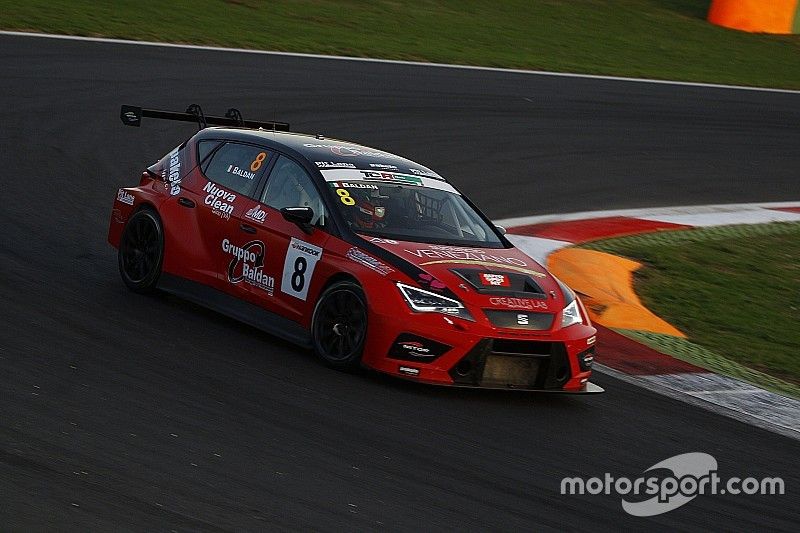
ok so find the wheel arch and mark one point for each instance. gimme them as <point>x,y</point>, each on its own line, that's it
<point>336,278</point>
<point>147,205</point>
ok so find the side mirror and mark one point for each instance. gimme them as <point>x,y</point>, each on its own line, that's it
<point>501,229</point>
<point>302,216</point>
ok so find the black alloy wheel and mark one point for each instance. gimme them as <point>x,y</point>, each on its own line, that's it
<point>141,251</point>
<point>339,325</point>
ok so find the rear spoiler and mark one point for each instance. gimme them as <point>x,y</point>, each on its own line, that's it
<point>132,116</point>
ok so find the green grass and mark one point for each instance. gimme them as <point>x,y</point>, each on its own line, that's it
<point>687,350</point>
<point>667,39</point>
<point>734,290</point>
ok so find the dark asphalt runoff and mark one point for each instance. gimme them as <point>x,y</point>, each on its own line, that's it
<point>124,412</point>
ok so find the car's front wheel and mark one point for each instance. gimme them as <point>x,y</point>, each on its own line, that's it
<point>339,325</point>
<point>141,251</point>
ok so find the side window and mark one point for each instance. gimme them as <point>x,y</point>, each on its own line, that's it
<point>237,167</point>
<point>204,149</point>
<point>290,186</point>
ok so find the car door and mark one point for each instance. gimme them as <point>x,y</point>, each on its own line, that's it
<point>291,254</point>
<point>231,176</point>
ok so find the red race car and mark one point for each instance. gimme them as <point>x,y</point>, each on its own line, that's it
<point>364,256</point>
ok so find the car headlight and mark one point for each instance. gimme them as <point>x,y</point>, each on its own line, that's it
<point>571,315</point>
<point>423,301</point>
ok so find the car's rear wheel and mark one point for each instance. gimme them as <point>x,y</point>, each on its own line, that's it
<point>339,325</point>
<point>141,251</point>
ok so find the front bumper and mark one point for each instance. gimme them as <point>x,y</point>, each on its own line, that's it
<point>455,352</point>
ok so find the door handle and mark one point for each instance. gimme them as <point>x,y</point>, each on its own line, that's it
<point>247,228</point>
<point>185,202</point>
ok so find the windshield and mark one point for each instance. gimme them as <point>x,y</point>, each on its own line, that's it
<point>405,212</point>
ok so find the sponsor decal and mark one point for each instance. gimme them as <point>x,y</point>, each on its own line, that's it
<point>351,175</point>
<point>379,240</point>
<point>415,348</point>
<point>242,173</point>
<point>256,214</point>
<point>428,173</point>
<point>465,254</point>
<point>518,303</point>
<point>408,370</point>
<point>247,265</point>
<point>348,185</point>
<point>219,200</point>
<point>349,151</point>
<point>494,280</point>
<point>132,118</point>
<point>171,173</point>
<point>346,151</point>
<point>298,268</point>
<point>514,319</point>
<point>306,248</point>
<point>391,176</point>
<point>383,166</point>
<point>125,197</point>
<point>333,164</point>
<point>409,347</point>
<point>354,254</point>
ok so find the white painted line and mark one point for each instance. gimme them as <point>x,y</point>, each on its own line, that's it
<point>399,62</point>
<point>701,382</point>
<point>736,395</point>
<point>644,212</point>
<point>763,422</point>
<point>755,216</point>
<point>700,393</point>
<point>536,247</point>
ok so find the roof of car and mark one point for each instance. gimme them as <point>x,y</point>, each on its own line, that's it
<point>327,153</point>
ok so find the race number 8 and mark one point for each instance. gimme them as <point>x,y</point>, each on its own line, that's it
<point>298,276</point>
<point>345,197</point>
<point>256,164</point>
<point>298,268</point>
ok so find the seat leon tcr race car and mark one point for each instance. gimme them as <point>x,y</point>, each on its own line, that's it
<point>367,258</point>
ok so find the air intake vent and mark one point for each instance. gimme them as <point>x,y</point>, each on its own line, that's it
<point>514,363</point>
<point>514,347</point>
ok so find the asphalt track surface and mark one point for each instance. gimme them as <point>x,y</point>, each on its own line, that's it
<point>119,411</point>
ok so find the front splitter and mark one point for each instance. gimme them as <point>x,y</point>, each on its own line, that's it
<point>588,387</point>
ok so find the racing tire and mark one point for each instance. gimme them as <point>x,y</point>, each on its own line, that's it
<point>141,251</point>
<point>339,325</point>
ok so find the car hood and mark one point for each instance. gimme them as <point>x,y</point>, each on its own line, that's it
<point>488,277</point>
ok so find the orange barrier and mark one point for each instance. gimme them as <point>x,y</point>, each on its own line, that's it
<point>606,281</point>
<point>767,16</point>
